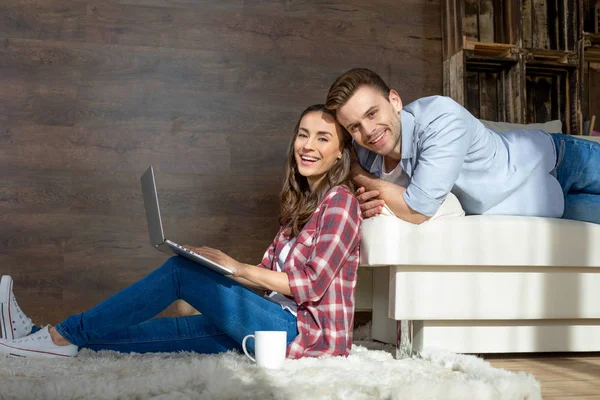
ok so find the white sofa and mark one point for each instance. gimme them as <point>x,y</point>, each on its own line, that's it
<point>484,284</point>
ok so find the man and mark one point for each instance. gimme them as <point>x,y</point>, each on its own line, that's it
<point>410,158</point>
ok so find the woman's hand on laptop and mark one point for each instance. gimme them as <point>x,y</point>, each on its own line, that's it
<point>219,257</point>
<point>251,276</point>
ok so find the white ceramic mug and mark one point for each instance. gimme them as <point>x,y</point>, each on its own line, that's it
<point>269,348</point>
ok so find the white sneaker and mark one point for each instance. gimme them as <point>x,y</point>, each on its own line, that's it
<point>14,324</point>
<point>37,344</point>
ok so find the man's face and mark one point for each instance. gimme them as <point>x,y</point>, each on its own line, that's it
<point>372,120</point>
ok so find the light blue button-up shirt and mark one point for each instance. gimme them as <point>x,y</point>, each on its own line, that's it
<point>446,149</point>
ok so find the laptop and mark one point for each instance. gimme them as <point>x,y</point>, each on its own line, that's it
<point>157,237</point>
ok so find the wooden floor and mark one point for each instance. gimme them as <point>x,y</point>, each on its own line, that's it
<point>562,376</point>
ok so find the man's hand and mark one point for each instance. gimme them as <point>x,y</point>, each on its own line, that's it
<point>220,258</point>
<point>370,205</point>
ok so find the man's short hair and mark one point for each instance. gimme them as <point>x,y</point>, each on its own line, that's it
<point>346,85</point>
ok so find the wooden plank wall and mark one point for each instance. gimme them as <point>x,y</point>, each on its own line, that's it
<point>486,83</point>
<point>479,21</point>
<point>591,100</point>
<point>454,10</point>
<point>550,24</point>
<point>454,79</point>
<point>485,94</point>
<point>470,20</point>
<point>589,15</point>
<point>92,92</point>
<point>492,21</point>
<point>542,97</point>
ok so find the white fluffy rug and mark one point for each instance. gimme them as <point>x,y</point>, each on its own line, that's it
<point>370,372</point>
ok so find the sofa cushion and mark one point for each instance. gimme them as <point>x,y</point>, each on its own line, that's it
<point>550,126</point>
<point>592,138</point>
<point>481,240</point>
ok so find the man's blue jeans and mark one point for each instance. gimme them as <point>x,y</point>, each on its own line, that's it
<point>229,311</point>
<point>578,172</point>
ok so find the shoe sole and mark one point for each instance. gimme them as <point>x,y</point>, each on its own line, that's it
<point>23,353</point>
<point>6,328</point>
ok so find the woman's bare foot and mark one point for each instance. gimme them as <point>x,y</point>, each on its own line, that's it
<point>57,338</point>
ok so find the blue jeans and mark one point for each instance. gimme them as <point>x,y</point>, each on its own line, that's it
<point>578,172</point>
<point>229,310</point>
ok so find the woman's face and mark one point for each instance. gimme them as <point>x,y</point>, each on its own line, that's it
<point>318,146</point>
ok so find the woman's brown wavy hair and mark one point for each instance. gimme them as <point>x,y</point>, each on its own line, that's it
<point>298,202</point>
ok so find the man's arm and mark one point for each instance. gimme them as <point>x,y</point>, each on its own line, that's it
<point>379,192</point>
<point>443,147</point>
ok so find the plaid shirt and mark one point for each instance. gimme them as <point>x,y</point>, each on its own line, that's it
<point>322,267</point>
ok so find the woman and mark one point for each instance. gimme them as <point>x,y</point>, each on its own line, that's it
<point>304,285</point>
